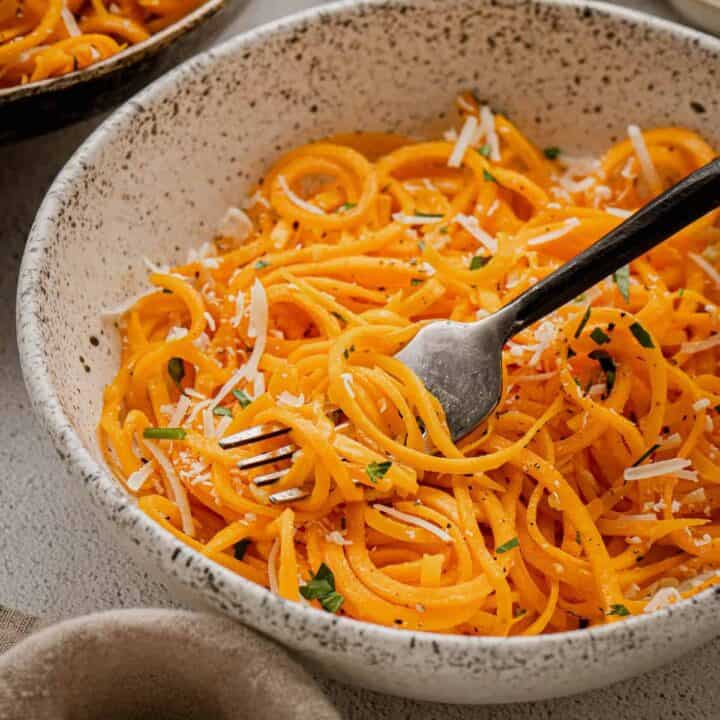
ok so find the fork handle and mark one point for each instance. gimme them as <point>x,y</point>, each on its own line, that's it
<point>690,199</point>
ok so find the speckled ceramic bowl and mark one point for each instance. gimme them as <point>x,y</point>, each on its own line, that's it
<point>156,176</point>
<point>39,107</point>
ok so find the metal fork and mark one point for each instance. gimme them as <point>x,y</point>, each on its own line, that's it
<point>461,363</point>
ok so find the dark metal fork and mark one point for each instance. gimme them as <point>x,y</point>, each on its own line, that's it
<point>461,363</point>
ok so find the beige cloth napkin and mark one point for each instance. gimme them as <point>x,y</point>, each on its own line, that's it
<point>14,626</point>
<point>154,665</point>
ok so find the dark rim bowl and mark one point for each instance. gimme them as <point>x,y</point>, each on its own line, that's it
<point>40,107</point>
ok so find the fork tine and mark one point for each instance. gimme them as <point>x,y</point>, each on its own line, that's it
<point>256,433</point>
<point>282,453</point>
<point>288,495</point>
<point>270,478</point>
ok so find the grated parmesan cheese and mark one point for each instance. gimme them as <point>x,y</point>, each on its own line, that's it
<point>413,520</point>
<point>348,382</point>
<point>208,423</point>
<point>179,494</point>
<point>222,426</point>
<point>152,267</point>
<point>464,104</point>
<point>656,469</point>
<point>471,224</point>
<point>696,346</point>
<point>537,377</point>
<point>627,171</point>
<point>671,441</point>
<point>204,252</point>
<point>210,321</point>
<point>643,155</point>
<point>662,598</point>
<point>137,479</point>
<point>545,335</point>
<point>601,193</point>
<point>257,198</point>
<point>118,311</point>
<point>487,125</point>
<point>286,398</point>
<point>191,392</point>
<point>201,342</point>
<point>239,309</point>
<point>235,224</point>
<point>176,333</point>
<point>296,199</point>
<point>257,328</point>
<point>73,30</point>
<point>467,134</point>
<point>703,264</point>
<point>183,405</point>
<point>568,225</point>
<point>234,379</point>
<point>199,407</point>
<point>337,538</point>
<point>618,212</point>
<point>579,165</point>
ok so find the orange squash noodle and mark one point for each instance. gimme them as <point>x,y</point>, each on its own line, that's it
<point>591,494</point>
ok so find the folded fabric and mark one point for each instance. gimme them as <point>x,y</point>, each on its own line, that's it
<point>14,626</point>
<point>155,664</point>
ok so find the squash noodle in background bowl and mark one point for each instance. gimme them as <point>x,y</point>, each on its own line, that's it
<point>44,40</point>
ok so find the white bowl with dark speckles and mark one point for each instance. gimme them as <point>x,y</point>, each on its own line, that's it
<point>154,179</point>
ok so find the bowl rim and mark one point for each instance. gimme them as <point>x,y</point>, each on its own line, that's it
<point>106,491</point>
<point>127,57</point>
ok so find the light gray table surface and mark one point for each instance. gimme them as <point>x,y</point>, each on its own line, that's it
<point>54,560</point>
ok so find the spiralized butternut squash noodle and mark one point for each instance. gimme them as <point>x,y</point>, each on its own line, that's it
<point>41,39</point>
<point>591,494</point>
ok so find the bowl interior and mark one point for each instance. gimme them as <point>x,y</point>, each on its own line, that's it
<point>154,179</point>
